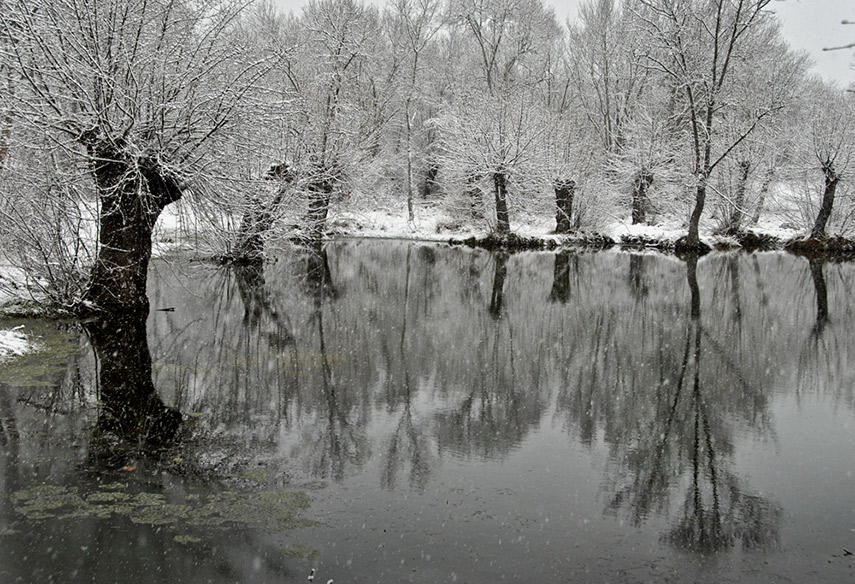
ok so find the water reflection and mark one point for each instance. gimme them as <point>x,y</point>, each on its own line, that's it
<point>391,370</point>
<point>132,419</point>
<point>821,290</point>
<point>565,262</point>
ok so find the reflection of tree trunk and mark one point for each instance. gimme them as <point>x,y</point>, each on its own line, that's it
<point>405,444</point>
<point>636,276</point>
<point>130,409</point>
<point>564,189</point>
<point>692,276</point>
<point>642,182</point>
<point>561,277</point>
<point>318,276</point>
<point>497,296</point>
<point>832,178</point>
<point>253,293</point>
<point>258,307</point>
<point>500,188</point>
<point>733,269</point>
<point>9,435</point>
<point>337,441</point>
<point>821,296</point>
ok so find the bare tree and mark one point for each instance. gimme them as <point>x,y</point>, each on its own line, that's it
<point>824,133</point>
<point>496,125</point>
<point>138,93</point>
<point>340,106</point>
<point>414,24</point>
<point>704,47</point>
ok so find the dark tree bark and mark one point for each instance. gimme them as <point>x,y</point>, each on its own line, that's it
<point>132,194</point>
<point>693,238</point>
<point>565,189</point>
<point>640,185</point>
<point>500,184</point>
<point>832,179</point>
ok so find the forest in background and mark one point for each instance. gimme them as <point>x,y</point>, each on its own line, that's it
<point>255,124</point>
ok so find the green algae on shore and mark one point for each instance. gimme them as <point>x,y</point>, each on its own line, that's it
<point>275,510</point>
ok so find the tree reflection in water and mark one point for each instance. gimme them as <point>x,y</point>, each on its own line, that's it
<point>821,290</point>
<point>132,419</point>
<point>408,444</point>
<point>564,262</point>
<point>825,349</point>
<point>338,442</point>
<point>497,296</point>
<point>422,356</point>
<point>688,433</point>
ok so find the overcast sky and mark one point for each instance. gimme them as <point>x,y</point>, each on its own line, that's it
<point>810,25</point>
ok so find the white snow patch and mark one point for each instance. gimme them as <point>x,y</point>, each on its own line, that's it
<point>669,231</point>
<point>15,343</point>
<point>431,223</point>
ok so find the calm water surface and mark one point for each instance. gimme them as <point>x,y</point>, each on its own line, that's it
<point>401,412</point>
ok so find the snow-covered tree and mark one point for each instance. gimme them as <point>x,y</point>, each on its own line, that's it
<point>825,150</point>
<point>139,96</point>
<point>706,47</point>
<point>494,122</point>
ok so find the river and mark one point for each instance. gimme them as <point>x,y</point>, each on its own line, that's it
<point>390,411</point>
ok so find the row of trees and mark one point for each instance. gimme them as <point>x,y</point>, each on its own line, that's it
<point>114,109</point>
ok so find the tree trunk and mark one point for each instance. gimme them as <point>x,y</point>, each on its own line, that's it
<point>565,189</point>
<point>500,183</point>
<point>693,239</point>
<point>429,182</point>
<point>832,178</point>
<point>642,182</point>
<point>734,222</point>
<point>6,122</point>
<point>132,196</point>
<point>320,192</point>
<point>761,199</point>
<point>411,217</point>
<point>476,200</point>
<point>258,219</point>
